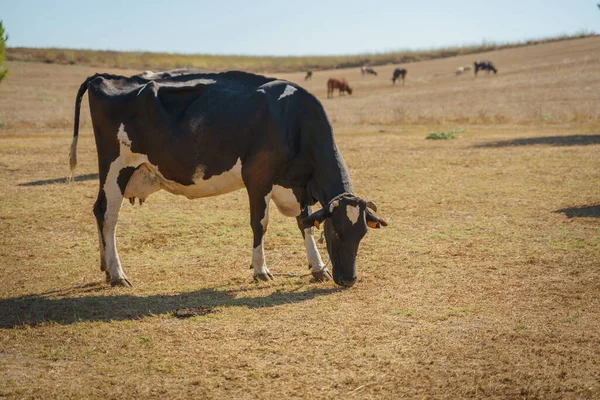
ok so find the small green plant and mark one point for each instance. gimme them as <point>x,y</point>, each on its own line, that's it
<point>441,135</point>
<point>445,135</point>
<point>3,39</point>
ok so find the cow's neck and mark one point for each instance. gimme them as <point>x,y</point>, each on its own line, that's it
<point>330,173</point>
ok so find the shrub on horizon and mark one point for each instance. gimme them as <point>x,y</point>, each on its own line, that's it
<point>3,39</point>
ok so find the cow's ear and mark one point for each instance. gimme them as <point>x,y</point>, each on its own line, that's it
<point>373,221</point>
<point>315,219</point>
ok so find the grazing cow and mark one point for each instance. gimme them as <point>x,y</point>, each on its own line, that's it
<point>308,75</point>
<point>462,69</point>
<point>340,84</point>
<point>399,73</point>
<point>207,134</point>
<point>484,66</point>
<point>367,70</point>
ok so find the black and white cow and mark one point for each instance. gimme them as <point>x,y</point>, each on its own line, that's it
<point>484,66</point>
<point>367,70</point>
<point>208,134</point>
<point>399,73</point>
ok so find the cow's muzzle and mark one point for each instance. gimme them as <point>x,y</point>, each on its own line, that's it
<point>347,283</point>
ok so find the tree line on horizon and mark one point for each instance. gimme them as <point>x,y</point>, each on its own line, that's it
<point>3,39</point>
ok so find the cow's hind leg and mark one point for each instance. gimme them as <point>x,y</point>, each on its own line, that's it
<point>99,211</point>
<point>259,219</point>
<point>106,211</point>
<point>259,187</point>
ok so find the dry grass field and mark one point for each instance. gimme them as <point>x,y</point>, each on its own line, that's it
<point>485,284</point>
<point>148,60</point>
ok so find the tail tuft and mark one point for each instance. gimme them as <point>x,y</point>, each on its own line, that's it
<point>72,159</point>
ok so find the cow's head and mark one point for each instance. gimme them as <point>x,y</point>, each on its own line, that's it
<point>347,219</point>
<point>349,89</point>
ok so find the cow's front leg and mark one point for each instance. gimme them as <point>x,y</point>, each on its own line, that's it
<point>315,263</point>
<point>259,219</point>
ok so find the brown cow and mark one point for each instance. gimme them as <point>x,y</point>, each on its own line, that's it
<point>340,84</point>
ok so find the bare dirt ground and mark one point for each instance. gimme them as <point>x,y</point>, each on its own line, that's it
<point>486,284</point>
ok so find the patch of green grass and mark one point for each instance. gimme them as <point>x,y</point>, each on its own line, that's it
<point>445,135</point>
<point>521,327</point>
<point>571,320</point>
<point>441,135</point>
<point>407,312</point>
<point>144,339</point>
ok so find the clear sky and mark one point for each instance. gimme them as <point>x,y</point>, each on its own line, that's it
<point>266,27</point>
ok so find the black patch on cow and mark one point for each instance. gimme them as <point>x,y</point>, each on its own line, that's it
<point>99,211</point>
<point>124,177</point>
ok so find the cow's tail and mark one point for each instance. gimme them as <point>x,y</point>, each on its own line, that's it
<point>73,152</point>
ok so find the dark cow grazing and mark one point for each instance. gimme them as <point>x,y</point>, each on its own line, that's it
<point>484,66</point>
<point>399,73</point>
<point>207,134</point>
<point>340,84</point>
<point>308,75</point>
<point>367,70</point>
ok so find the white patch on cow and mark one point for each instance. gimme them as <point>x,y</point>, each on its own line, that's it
<point>312,253</point>
<point>286,201</point>
<point>333,205</point>
<point>261,90</point>
<point>123,137</point>
<point>289,90</point>
<point>142,183</point>
<point>353,212</point>
<point>147,179</point>
<point>142,89</point>
<point>265,219</point>
<point>205,81</point>
<point>258,260</point>
<point>226,182</point>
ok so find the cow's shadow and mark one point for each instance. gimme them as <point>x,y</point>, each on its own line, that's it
<point>79,178</point>
<point>570,140</point>
<point>592,211</point>
<point>76,305</point>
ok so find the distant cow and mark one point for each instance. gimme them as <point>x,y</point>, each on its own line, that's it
<point>367,70</point>
<point>204,135</point>
<point>399,73</point>
<point>340,84</point>
<point>462,69</point>
<point>308,75</point>
<point>484,65</point>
